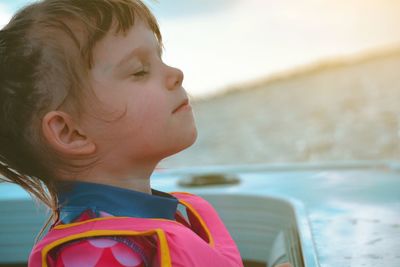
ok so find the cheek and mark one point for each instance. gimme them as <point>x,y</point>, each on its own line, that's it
<point>148,115</point>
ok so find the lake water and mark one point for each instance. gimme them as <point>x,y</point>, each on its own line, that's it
<point>218,43</point>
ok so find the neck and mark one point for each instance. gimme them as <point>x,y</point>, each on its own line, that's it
<point>136,184</point>
<point>135,177</point>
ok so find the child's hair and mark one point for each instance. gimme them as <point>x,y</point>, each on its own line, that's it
<point>45,58</point>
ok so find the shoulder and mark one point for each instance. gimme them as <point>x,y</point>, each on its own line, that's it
<point>186,196</point>
<point>107,251</point>
<point>191,200</point>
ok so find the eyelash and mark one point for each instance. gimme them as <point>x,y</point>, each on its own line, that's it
<point>140,73</point>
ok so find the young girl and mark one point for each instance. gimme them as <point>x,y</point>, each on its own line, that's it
<point>88,109</point>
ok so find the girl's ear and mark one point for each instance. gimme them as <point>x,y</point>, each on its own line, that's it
<point>64,135</point>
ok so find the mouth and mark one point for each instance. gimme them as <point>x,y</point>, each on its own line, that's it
<point>184,105</point>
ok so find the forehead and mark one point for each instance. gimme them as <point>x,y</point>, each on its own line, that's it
<point>114,47</point>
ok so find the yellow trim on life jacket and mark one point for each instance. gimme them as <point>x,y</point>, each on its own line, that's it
<point>164,249</point>
<point>203,224</point>
<point>165,260</point>
<point>68,225</point>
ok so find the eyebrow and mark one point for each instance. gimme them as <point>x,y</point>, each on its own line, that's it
<point>134,53</point>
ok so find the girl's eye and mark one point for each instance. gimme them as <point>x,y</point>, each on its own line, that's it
<point>141,72</point>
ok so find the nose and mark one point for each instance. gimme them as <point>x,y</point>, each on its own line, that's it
<point>174,78</point>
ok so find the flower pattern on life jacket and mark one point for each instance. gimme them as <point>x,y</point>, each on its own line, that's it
<point>116,251</point>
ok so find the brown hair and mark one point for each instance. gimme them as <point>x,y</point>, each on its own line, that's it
<point>45,55</point>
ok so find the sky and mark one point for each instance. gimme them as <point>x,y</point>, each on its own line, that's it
<point>220,43</point>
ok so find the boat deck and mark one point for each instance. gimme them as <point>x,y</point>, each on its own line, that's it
<point>344,214</point>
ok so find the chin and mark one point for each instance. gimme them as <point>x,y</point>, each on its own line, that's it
<point>190,139</point>
<point>184,143</point>
<point>193,136</point>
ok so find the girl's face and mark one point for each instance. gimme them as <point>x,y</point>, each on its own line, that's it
<point>144,112</point>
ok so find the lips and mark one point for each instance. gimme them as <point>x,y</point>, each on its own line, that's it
<point>184,104</point>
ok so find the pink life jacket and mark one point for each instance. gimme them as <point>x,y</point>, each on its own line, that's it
<point>211,246</point>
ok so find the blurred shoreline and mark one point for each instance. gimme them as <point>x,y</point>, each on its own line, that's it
<point>306,69</point>
<point>335,110</point>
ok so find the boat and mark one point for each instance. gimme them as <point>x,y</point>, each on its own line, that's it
<point>309,214</point>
